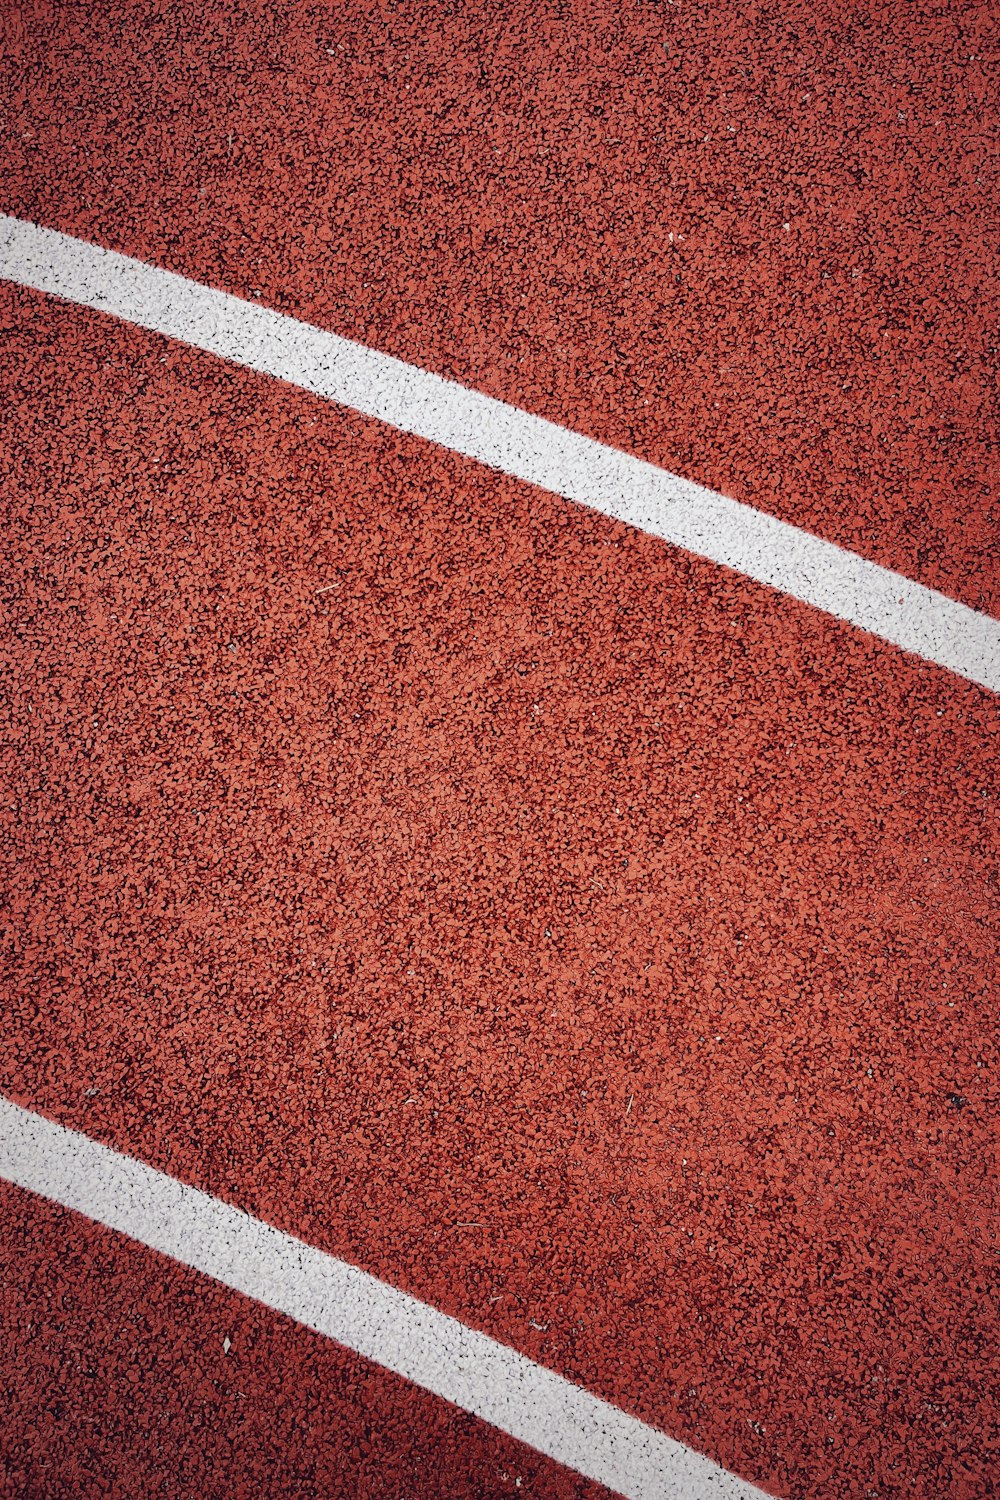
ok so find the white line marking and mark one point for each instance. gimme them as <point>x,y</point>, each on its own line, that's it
<point>375,1320</point>
<point>527,447</point>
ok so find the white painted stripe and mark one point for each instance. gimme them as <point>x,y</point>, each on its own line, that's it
<point>749,541</point>
<point>385,1325</point>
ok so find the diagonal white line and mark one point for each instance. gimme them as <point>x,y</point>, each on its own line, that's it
<point>749,541</point>
<point>375,1320</point>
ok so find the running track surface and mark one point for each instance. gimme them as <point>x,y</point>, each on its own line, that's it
<point>586,940</point>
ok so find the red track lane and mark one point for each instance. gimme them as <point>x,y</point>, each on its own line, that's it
<point>555,925</point>
<point>125,1387</point>
<point>754,245</point>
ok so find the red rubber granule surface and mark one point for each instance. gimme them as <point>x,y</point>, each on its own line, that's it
<point>127,1386</point>
<point>592,943</point>
<point>756,245</point>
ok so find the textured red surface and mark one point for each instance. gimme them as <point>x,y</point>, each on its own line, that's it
<point>557,926</point>
<point>126,1388</point>
<point>754,244</point>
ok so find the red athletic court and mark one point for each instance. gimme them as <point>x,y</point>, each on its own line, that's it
<point>589,941</point>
